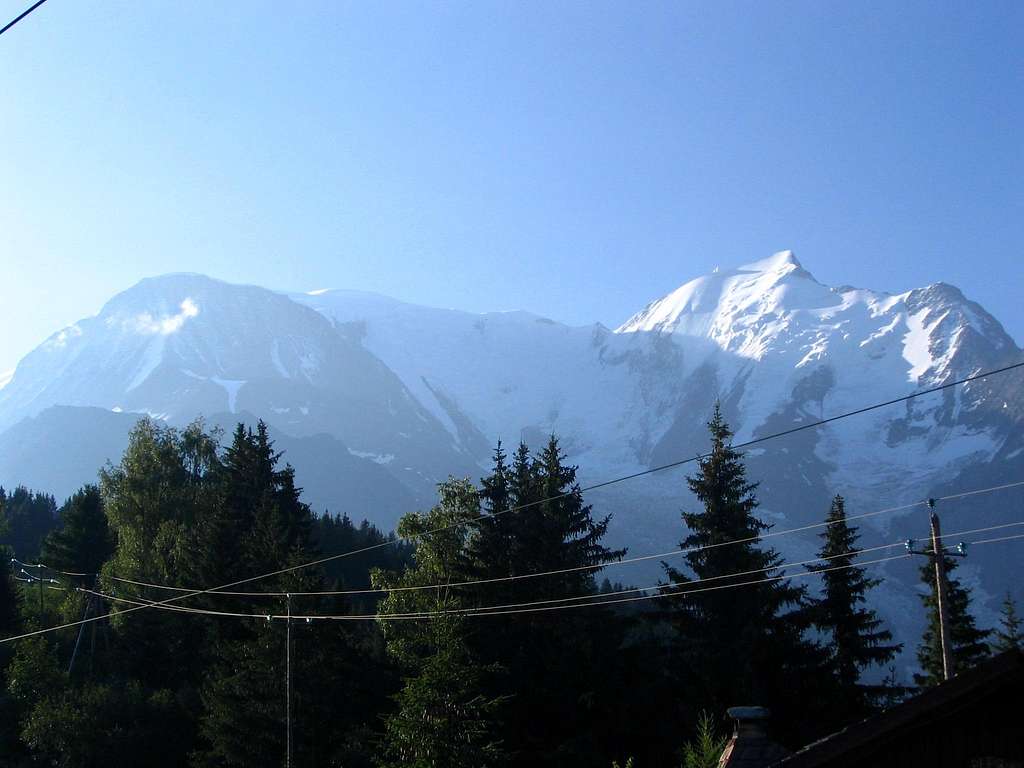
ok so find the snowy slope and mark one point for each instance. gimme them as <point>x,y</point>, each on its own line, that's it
<point>514,375</point>
<point>771,342</point>
<point>180,346</point>
<point>785,346</point>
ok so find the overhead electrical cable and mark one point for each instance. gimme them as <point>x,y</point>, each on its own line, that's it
<point>606,483</point>
<point>781,566</point>
<point>1001,538</point>
<point>576,569</point>
<point>49,568</point>
<point>518,577</point>
<point>717,587</point>
<point>593,598</point>
<point>22,15</point>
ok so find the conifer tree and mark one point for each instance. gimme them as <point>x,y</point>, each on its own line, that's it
<point>746,643</point>
<point>337,533</point>
<point>857,637</point>
<point>707,746</point>
<point>29,516</point>
<point>443,716</point>
<point>539,524</point>
<point>969,646</point>
<point>571,536</point>
<point>1009,634</point>
<point>494,548</point>
<point>245,695</point>
<point>84,542</point>
<point>337,686</point>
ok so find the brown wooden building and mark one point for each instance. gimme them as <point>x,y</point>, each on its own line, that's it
<point>975,720</point>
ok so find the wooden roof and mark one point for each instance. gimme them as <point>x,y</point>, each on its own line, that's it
<point>878,734</point>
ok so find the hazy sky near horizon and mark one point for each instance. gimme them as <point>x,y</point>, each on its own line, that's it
<point>575,159</point>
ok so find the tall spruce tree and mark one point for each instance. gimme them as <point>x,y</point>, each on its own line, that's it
<point>538,523</point>
<point>1008,635</point>
<point>494,547</point>
<point>741,639</point>
<point>245,696</point>
<point>443,716</point>
<point>858,639</point>
<point>83,543</point>
<point>969,646</point>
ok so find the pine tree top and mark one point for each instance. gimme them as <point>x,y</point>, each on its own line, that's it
<point>1009,635</point>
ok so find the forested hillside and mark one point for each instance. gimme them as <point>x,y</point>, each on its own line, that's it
<point>190,609</point>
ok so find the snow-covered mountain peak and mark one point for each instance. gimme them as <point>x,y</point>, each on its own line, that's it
<point>780,262</point>
<point>717,305</point>
<point>153,292</point>
<point>774,310</point>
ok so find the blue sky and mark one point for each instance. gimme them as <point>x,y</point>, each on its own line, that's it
<point>576,159</point>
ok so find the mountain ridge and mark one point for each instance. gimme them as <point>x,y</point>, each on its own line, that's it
<point>416,393</point>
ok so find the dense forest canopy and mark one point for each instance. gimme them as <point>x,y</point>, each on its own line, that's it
<point>411,670</point>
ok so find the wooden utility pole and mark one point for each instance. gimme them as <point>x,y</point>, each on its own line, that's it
<point>39,578</point>
<point>288,685</point>
<point>938,555</point>
<point>81,631</point>
<point>942,595</point>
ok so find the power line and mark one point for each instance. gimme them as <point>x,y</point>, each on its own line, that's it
<point>595,599</point>
<point>595,486</point>
<point>501,579</point>
<point>1001,538</point>
<point>22,15</point>
<point>810,425</point>
<point>606,483</point>
<point>482,611</point>
<point>576,569</point>
<point>50,568</point>
<point>965,494</point>
<point>661,595</point>
<point>782,566</point>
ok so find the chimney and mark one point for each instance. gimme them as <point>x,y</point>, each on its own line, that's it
<point>750,746</point>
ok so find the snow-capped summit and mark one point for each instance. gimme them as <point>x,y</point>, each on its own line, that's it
<point>775,307</point>
<point>736,307</point>
<point>178,346</point>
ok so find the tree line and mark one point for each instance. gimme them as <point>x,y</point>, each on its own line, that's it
<point>561,684</point>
